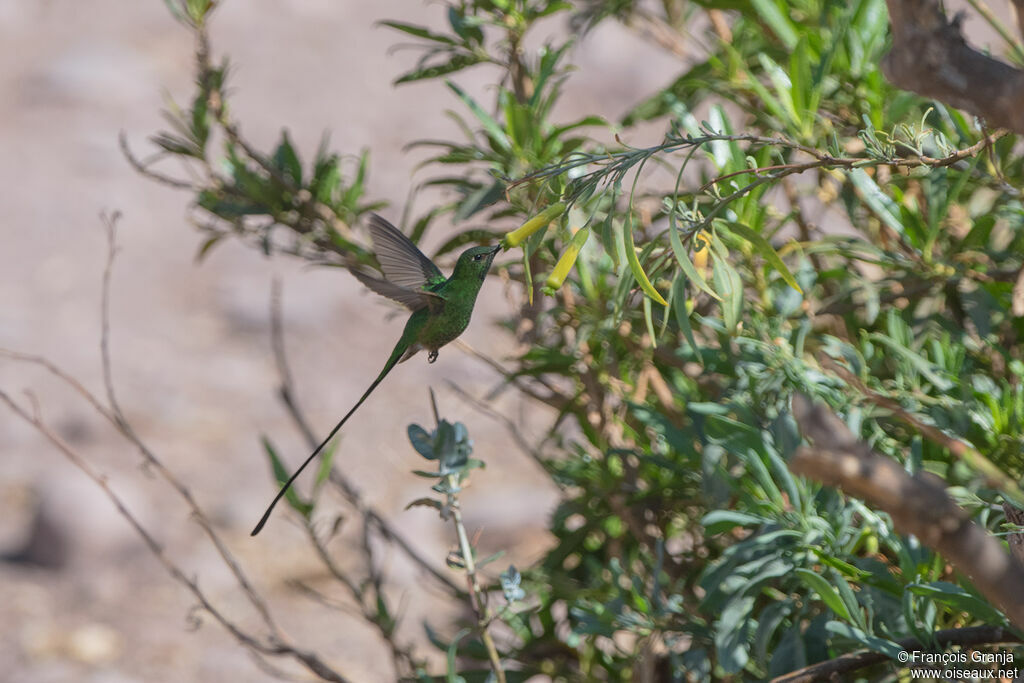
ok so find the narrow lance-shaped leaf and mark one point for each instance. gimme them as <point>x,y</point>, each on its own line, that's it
<point>303,507</point>
<point>781,25</point>
<point>649,321</point>
<point>326,460</point>
<point>683,315</point>
<point>458,62</point>
<point>882,204</point>
<point>886,647</point>
<point>763,247</point>
<point>493,128</point>
<point>419,32</point>
<point>634,264</point>
<point>730,285</point>
<point>683,259</point>
<point>825,591</point>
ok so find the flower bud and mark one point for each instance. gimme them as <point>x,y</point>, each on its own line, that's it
<point>516,237</point>
<point>566,261</point>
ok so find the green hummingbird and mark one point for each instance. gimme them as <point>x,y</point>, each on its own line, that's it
<point>441,308</point>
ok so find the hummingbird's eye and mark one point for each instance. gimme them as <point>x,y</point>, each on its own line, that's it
<point>478,257</point>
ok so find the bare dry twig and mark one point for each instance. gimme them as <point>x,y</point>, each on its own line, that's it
<point>116,416</point>
<point>275,644</point>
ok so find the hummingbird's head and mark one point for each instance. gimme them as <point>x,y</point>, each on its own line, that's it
<point>475,262</point>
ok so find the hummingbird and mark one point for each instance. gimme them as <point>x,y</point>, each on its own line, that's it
<point>441,308</point>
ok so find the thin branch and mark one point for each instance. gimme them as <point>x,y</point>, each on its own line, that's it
<point>482,405</point>
<point>285,389</point>
<point>555,398</point>
<point>401,655</point>
<point>116,416</point>
<point>621,160</point>
<point>144,168</point>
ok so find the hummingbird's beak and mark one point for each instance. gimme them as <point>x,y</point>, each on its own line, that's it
<point>495,250</point>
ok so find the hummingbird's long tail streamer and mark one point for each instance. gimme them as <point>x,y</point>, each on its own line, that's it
<point>396,355</point>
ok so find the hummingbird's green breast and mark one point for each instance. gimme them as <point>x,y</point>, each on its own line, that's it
<point>443,327</point>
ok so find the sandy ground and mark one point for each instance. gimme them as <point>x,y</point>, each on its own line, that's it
<point>193,366</point>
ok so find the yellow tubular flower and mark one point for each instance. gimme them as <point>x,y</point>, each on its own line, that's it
<point>516,237</point>
<point>566,261</point>
<point>700,254</point>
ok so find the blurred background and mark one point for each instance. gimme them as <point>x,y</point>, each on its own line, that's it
<point>81,597</point>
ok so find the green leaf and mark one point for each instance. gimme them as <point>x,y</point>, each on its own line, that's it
<point>770,102</point>
<point>207,245</point>
<point>176,145</point>
<point>350,198</point>
<point>678,295</point>
<point>721,521</point>
<point>649,321</point>
<point>790,652</point>
<point>472,236</point>
<point>756,467</point>
<point>425,502</point>
<point>634,264</point>
<point>825,591</point>
<point>730,286</point>
<point>885,647</point>
<point>457,62</point>
<point>197,10</point>
<point>887,210</point>
<point>422,441</point>
<point>175,9</point>
<point>548,61</point>
<point>959,599</point>
<point>419,32</point>
<point>783,85</point>
<point>303,507</point>
<point>287,161</point>
<point>683,259</point>
<point>467,29</point>
<point>732,634</point>
<point>494,130</point>
<point>452,654</point>
<point>776,19</point>
<point>928,370</point>
<point>326,458</point>
<point>767,624</point>
<point>763,247</point>
<point>478,200</point>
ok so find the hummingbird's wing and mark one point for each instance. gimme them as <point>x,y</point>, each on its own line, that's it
<point>403,264</point>
<point>413,299</point>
